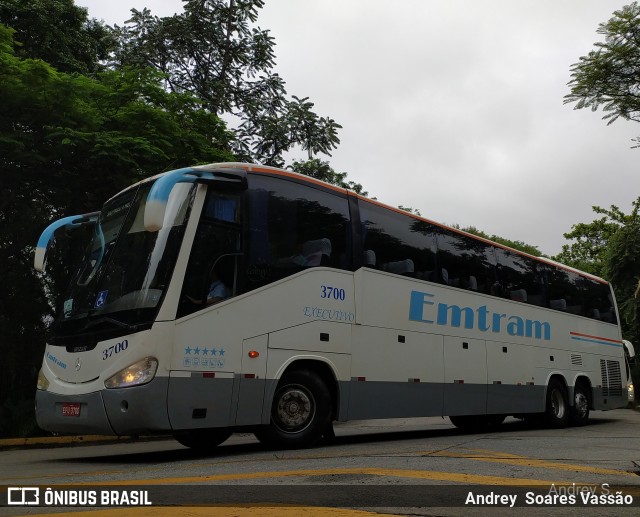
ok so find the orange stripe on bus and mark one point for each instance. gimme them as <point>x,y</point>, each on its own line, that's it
<point>595,337</point>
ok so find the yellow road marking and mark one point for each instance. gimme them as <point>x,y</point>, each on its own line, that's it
<point>454,477</point>
<point>512,459</point>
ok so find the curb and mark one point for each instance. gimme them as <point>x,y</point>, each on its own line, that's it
<point>61,441</point>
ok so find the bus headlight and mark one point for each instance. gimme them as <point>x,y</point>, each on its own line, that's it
<point>138,373</point>
<point>43,382</point>
<point>631,393</point>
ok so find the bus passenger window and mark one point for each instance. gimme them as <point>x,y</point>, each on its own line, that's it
<point>291,227</point>
<point>521,278</point>
<point>396,243</point>
<point>465,262</point>
<point>566,291</point>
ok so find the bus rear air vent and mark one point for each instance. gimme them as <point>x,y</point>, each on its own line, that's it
<point>199,413</point>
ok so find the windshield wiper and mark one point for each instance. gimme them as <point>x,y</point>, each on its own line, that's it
<point>113,321</point>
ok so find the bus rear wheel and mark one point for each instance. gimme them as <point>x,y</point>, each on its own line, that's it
<point>579,414</point>
<point>300,412</point>
<point>557,405</point>
<point>202,440</point>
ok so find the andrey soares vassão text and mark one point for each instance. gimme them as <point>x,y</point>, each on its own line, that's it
<point>569,495</point>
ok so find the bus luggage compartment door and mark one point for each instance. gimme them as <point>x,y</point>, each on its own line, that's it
<point>465,380</point>
<point>251,382</point>
<point>200,399</point>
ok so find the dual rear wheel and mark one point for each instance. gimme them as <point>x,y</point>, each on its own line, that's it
<point>558,412</point>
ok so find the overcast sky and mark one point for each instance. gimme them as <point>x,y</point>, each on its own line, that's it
<point>454,107</point>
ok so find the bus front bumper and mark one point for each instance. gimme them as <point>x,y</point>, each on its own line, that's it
<point>126,411</point>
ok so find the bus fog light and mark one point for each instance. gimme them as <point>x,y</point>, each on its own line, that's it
<point>138,373</point>
<point>43,382</point>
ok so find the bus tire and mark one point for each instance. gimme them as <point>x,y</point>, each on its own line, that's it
<point>300,412</point>
<point>557,405</point>
<point>579,414</point>
<point>203,440</point>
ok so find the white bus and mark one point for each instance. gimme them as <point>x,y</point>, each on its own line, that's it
<point>334,307</point>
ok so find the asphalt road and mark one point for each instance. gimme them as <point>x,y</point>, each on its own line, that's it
<point>400,467</point>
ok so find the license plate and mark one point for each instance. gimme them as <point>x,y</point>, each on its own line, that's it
<point>71,409</point>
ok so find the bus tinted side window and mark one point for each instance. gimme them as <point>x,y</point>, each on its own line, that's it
<point>565,291</point>
<point>397,243</point>
<point>215,255</point>
<point>521,279</point>
<point>465,262</point>
<point>598,301</point>
<point>291,227</point>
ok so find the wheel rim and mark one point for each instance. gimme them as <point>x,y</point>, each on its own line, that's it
<point>294,410</point>
<point>557,404</point>
<point>581,404</point>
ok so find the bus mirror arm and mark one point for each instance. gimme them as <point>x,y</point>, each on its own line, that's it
<point>40,257</point>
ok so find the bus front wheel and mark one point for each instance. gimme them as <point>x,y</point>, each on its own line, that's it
<point>300,412</point>
<point>202,440</point>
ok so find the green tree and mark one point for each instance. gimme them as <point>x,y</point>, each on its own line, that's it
<point>410,210</point>
<point>58,32</point>
<point>67,143</point>
<point>321,170</point>
<point>518,245</point>
<point>609,76</point>
<point>588,250</point>
<point>610,247</point>
<point>214,50</point>
<point>622,269</point>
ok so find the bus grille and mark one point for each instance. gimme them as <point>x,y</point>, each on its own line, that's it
<point>611,378</point>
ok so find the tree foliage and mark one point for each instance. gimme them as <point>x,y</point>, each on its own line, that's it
<point>622,269</point>
<point>518,245</point>
<point>58,32</point>
<point>610,247</point>
<point>67,143</point>
<point>321,170</point>
<point>589,250</point>
<point>609,76</point>
<point>214,51</point>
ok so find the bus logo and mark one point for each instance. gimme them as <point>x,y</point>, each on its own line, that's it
<point>423,308</point>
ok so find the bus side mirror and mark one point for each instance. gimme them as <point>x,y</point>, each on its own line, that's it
<point>629,348</point>
<point>40,257</point>
<point>154,212</point>
<point>158,196</point>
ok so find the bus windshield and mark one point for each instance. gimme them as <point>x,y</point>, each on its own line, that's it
<point>125,269</point>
